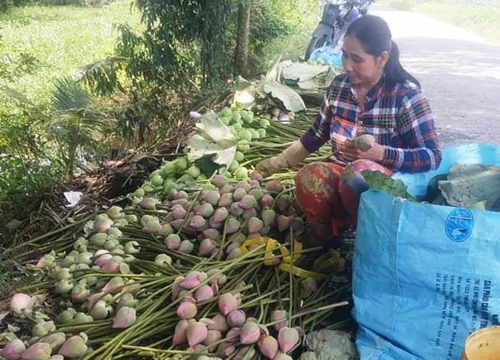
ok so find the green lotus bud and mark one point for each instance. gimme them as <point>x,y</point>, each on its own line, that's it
<point>111,244</point>
<point>81,244</point>
<point>99,239</point>
<point>64,286</point>
<point>163,260</point>
<point>46,260</point>
<point>74,347</point>
<point>43,327</point>
<point>100,310</point>
<point>85,258</point>
<point>66,316</point>
<point>132,247</point>
<point>55,340</point>
<point>63,273</point>
<point>115,232</point>
<point>115,212</point>
<point>128,300</point>
<point>67,261</point>
<point>82,318</point>
<point>132,218</point>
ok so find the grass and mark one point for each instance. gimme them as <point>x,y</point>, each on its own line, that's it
<point>480,17</point>
<point>303,15</point>
<point>39,44</point>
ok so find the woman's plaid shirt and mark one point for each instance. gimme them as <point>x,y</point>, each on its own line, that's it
<point>397,116</point>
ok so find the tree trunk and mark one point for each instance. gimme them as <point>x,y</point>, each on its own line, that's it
<point>241,60</point>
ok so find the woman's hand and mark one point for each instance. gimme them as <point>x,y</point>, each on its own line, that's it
<point>351,153</point>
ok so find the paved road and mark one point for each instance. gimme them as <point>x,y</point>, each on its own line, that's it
<point>459,72</point>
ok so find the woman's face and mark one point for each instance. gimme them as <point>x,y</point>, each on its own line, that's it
<point>362,67</point>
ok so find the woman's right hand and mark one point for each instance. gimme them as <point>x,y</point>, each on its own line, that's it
<point>271,165</point>
<point>291,156</point>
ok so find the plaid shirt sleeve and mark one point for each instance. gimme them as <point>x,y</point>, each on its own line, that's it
<point>319,133</point>
<point>416,130</point>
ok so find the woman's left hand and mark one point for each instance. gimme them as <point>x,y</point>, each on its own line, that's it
<point>351,153</point>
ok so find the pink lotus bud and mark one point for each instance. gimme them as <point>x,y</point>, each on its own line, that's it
<point>148,203</point>
<point>236,318</point>
<point>193,279</point>
<point>233,335</point>
<point>92,299</point>
<point>219,323</point>
<point>38,351</point>
<point>287,338</point>
<point>173,241</point>
<point>21,303</point>
<point>187,310</point>
<point>309,284</point>
<point>152,227</point>
<point>180,332</point>
<point>43,328</point>
<point>13,350</point>
<point>257,176</point>
<point>74,347</point>
<point>235,253</point>
<point>206,247</point>
<point>212,337</point>
<point>131,287</point>
<point>281,316</point>
<point>266,200</point>
<point>114,285</point>
<point>112,266</point>
<point>196,333</point>
<point>55,340</point>
<point>268,346</point>
<point>250,333</point>
<point>124,318</point>
<point>225,350</point>
<point>102,226</point>
<point>227,303</point>
<point>284,222</point>
<point>281,356</point>
<point>46,260</point>
<point>205,292</point>
<point>245,353</point>
<point>103,259</point>
<point>79,293</point>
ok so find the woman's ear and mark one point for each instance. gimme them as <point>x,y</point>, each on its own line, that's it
<point>383,59</point>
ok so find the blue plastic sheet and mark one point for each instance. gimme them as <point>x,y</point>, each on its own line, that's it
<point>425,276</point>
<point>328,55</point>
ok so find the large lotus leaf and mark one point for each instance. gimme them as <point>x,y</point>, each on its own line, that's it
<point>213,139</point>
<point>301,72</point>
<point>290,99</point>
<point>245,93</point>
<point>470,190</point>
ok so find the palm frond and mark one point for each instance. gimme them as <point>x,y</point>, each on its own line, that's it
<point>69,95</point>
<point>16,95</point>
<point>102,76</point>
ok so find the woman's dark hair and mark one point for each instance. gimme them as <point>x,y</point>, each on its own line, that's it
<point>375,36</point>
